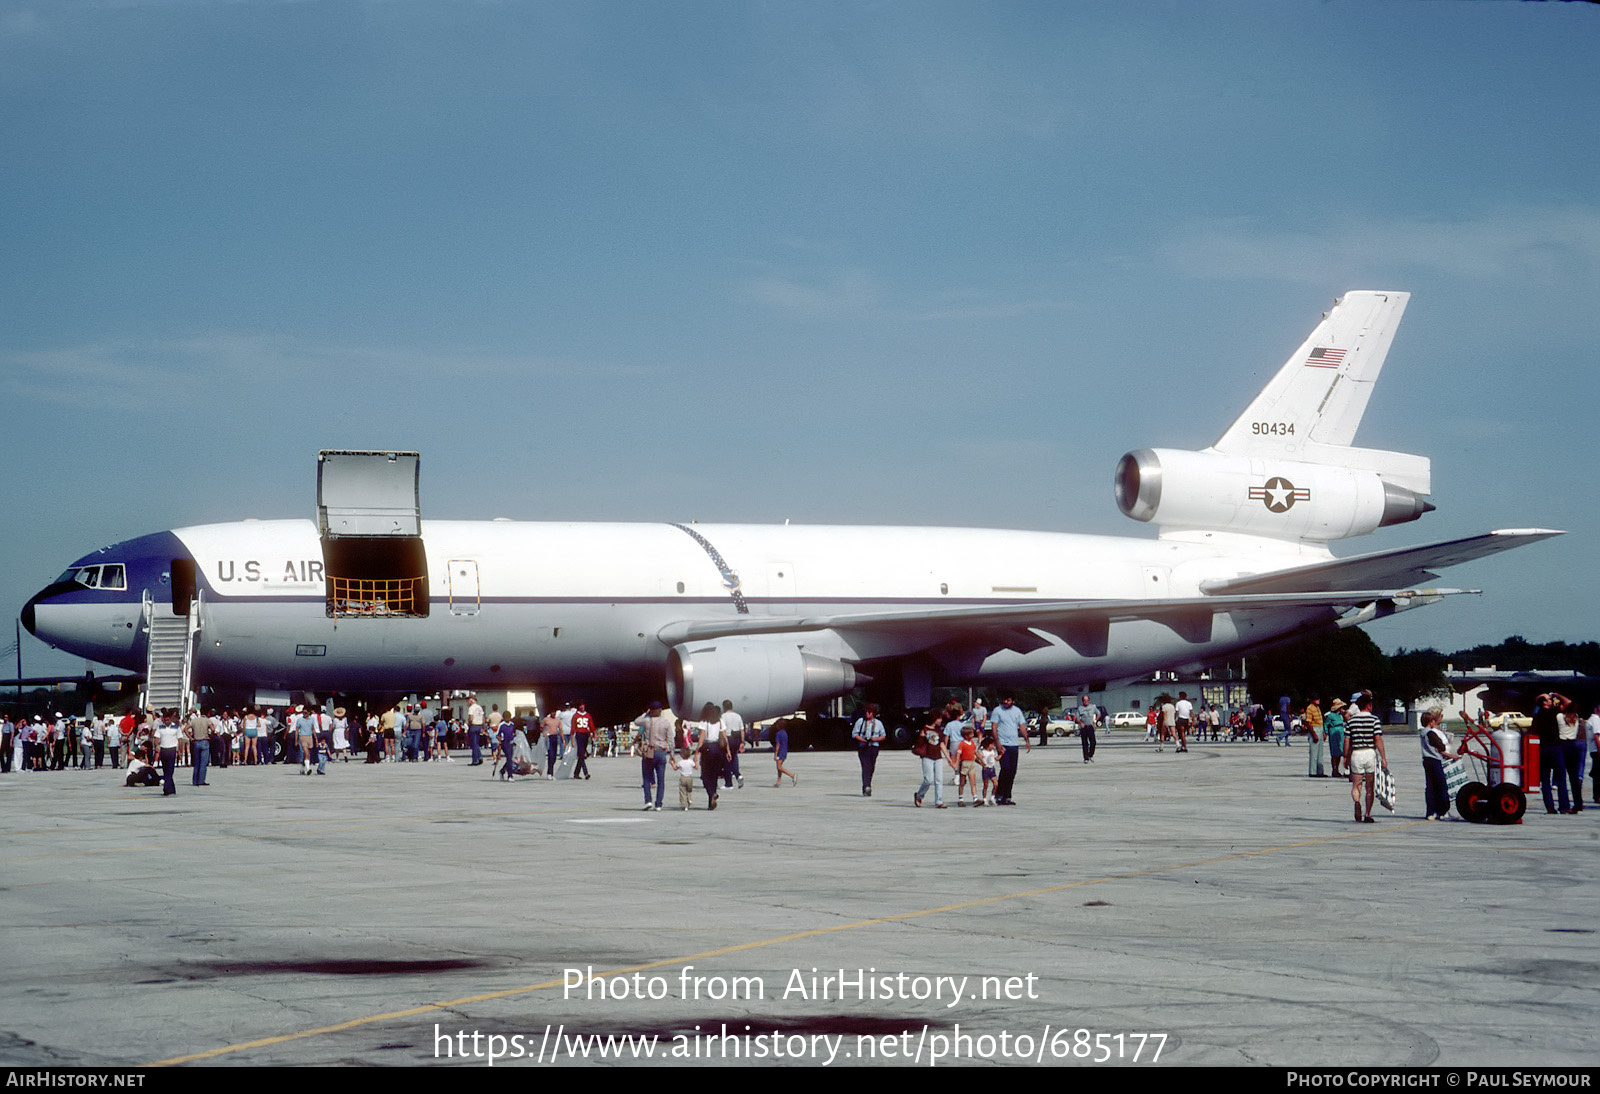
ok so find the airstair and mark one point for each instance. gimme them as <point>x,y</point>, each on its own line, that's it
<point>170,657</point>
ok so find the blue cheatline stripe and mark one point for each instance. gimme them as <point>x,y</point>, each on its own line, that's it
<point>870,601</point>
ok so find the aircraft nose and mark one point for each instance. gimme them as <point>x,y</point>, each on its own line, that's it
<point>30,617</point>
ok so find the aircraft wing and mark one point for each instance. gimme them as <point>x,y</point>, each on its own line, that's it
<point>1008,625</point>
<point>1383,581</point>
<point>81,680</point>
<point>1399,566</point>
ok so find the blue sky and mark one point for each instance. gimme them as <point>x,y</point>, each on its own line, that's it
<point>921,263</point>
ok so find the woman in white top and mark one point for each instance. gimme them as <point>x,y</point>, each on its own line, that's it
<point>713,751</point>
<point>114,740</point>
<point>341,734</point>
<point>167,739</point>
<point>1573,752</point>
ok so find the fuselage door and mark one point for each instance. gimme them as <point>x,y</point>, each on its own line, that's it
<point>184,584</point>
<point>368,493</point>
<point>370,520</point>
<point>781,588</point>
<point>464,593</point>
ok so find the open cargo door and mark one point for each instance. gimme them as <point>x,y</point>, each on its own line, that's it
<point>369,515</point>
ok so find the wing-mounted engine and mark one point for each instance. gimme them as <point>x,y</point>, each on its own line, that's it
<point>1281,499</point>
<point>764,679</point>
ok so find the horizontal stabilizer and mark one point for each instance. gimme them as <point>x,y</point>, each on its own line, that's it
<point>1397,567</point>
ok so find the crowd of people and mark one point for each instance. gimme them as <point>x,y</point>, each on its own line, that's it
<point>972,744</point>
<point>1564,745</point>
<point>1178,721</point>
<point>709,750</point>
<point>1350,736</point>
<point>978,750</point>
<point>308,736</point>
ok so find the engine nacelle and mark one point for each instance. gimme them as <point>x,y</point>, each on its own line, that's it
<point>1283,499</point>
<point>764,679</point>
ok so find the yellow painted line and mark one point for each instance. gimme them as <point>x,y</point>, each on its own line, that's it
<point>758,944</point>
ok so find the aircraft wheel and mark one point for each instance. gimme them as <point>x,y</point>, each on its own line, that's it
<point>901,736</point>
<point>1472,802</point>
<point>1507,804</point>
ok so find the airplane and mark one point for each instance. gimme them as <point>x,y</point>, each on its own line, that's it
<point>372,599</point>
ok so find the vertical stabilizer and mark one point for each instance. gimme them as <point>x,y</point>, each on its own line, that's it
<point>1310,410</point>
<point>1322,390</point>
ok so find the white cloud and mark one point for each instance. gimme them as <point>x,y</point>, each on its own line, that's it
<point>976,305</point>
<point>854,293</point>
<point>152,373</point>
<point>1545,245</point>
<point>844,293</point>
<point>18,22</point>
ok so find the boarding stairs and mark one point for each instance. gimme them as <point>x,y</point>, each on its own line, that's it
<point>169,660</point>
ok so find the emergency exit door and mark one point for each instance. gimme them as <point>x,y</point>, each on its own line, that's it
<point>464,594</point>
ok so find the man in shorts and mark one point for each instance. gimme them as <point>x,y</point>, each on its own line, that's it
<point>1183,718</point>
<point>1363,753</point>
<point>1167,723</point>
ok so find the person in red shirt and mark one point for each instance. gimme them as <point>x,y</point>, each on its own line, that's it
<point>967,766</point>
<point>582,728</point>
<point>125,726</point>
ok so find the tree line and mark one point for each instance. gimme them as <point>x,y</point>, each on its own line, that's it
<point>1346,661</point>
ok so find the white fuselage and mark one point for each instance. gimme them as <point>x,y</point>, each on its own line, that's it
<point>587,604</point>
<point>776,616</point>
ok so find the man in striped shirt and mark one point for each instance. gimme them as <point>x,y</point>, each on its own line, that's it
<point>1363,752</point>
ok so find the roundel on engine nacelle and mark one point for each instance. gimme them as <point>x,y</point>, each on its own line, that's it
<point>1138,484</point>
<point>1259,496</point>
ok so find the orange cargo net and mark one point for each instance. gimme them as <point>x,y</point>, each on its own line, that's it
<point>366,597</point>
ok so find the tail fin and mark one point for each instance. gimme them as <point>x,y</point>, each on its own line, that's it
<point>1310,410</point>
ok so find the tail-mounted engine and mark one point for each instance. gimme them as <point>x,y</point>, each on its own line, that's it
<point>1282,499</point>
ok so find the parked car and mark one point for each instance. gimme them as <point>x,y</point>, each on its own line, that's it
<point>1057,726</point>
<point>1128,719</point>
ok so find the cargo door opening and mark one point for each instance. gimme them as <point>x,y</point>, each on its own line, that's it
<point>369,518</point>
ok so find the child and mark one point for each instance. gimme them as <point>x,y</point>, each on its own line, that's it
<point>685,764</point>
<point>989,757</point>
<point>967,766</point>
<point>508,740</point>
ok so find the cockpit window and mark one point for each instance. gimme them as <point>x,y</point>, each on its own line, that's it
<point>110,576</point>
